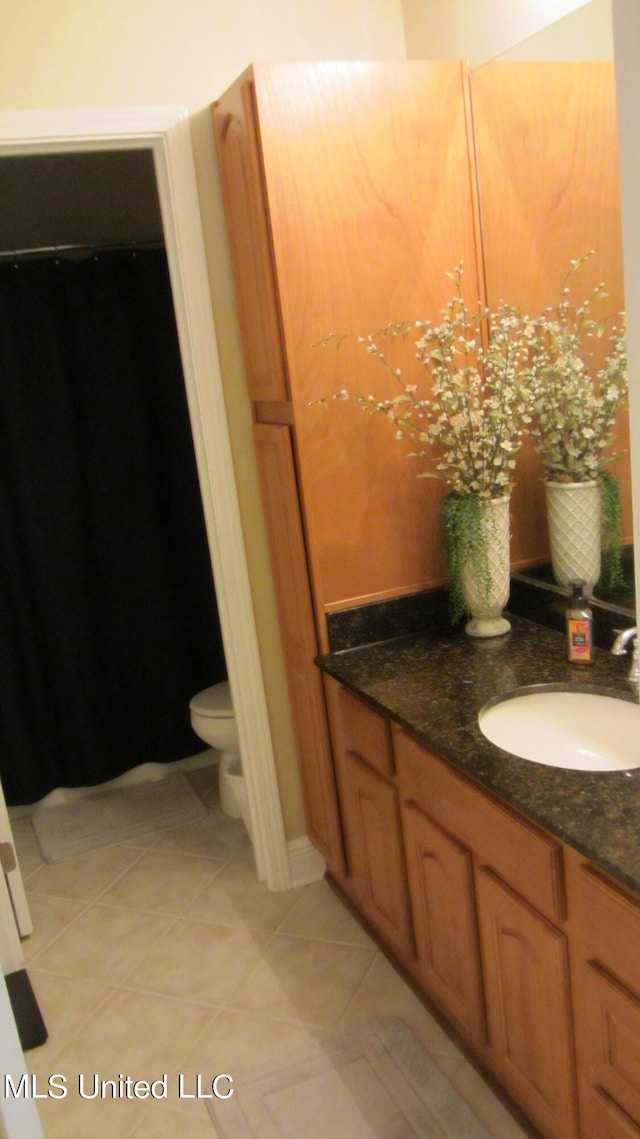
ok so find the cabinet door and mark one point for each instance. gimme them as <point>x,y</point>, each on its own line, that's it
<point>375,855</point>
<point>240,162</point>
<point>527,993</point>
<point>440,873</point>
<point>299,643</point>
<point>612,1040</point>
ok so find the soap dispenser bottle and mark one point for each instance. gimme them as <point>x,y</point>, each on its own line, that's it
<point>579,626</point>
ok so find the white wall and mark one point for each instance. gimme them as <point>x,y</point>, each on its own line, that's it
<point>476,30</point>
<point>586,33</point>
<point>112,52</point>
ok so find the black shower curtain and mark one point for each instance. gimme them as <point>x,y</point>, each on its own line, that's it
<point>108,620</point>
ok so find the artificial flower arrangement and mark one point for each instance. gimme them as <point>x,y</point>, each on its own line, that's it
<point>575,403</point>
<point>490,378</point>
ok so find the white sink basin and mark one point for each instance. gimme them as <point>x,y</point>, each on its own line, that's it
<point>584,731</point>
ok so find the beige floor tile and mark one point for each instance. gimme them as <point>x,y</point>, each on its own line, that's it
<point>204,780</point>
<point>319,914</point>
<point>249,1047</point>
<point>26,844</point>
<point>198,961</point>
<point>140,1035</point>
<point>104,944</point>
<point>216,836</point>
<point>384,993</point>
<point>242,981</point>
<point>165,1123</point>
<point>84,877</point>
<point>50,917</point>
<point>236,897</point>
<point>77,1118</point>
<point>163,882</point>
<point>66,1004</point>
<point>301,979</point>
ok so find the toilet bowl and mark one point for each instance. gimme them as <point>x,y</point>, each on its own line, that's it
<point>214,722</point>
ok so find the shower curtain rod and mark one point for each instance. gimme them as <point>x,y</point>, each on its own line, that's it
<point>82,249</point>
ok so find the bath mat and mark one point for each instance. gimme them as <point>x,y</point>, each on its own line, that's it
<point>119,814</point>
<point>378,1083</point>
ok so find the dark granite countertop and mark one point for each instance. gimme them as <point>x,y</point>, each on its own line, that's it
<point>435,684</point>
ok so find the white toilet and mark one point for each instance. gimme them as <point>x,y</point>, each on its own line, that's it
<point>213,720</point>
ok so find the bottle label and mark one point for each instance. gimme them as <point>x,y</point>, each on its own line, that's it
<point>579,633</point>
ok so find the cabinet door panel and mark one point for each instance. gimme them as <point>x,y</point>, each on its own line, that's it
<point>374,851</point>
<point>603,1119</point>
<point>366,734</point>
<point>440,873</point>
<point>299,643</point>
<point>613,1038</point>
<point>239,159</point>
<point>527,993</point>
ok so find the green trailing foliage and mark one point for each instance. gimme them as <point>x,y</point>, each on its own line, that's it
<point>465,523</point>
<point>612,575</point>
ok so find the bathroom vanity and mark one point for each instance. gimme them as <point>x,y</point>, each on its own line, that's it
<point>506,891</point>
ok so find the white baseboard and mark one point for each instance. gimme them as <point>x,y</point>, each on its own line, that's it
<point>305,863</point>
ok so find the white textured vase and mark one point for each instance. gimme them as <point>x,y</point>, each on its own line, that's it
<point>574,516</point>
<point>486,608</point>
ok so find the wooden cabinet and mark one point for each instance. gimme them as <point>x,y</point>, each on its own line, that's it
<point>325,171</point>
<point>606,971</point>
<point>440,872</point>
<point>488,898</point>
<point>376,878</point>
<point>470,899</point>
<point>286,542</point>
<point>241,173</point>
<point>526,975</point>
<point>529,951</point>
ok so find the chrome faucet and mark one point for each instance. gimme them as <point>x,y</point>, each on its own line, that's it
<point>619,647</point>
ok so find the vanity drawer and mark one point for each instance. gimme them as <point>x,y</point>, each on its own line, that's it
<point>365,733</point>
<point>518,851</point>
<point>609,923</point>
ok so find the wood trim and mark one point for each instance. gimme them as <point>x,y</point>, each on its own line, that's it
<point>273,411</point>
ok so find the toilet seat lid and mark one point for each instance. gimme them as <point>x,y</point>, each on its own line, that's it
<point>214,701</point>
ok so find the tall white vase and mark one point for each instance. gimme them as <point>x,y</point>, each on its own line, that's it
<point>485,605</point>
<point>574,516</point>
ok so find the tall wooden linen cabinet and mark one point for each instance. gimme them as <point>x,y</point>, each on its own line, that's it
<point>349,191</point>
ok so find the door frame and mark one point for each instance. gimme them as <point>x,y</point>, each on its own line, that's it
<point>166,133</point>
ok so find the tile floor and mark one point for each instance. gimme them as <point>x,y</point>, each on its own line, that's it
<point>167,956</point>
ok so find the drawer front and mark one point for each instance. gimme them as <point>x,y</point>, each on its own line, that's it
<point>365,733</point>
<point>613,1038</point>
<point>524,856</point>
<point>609,923</point>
